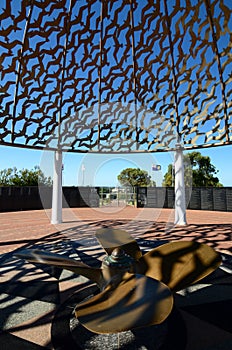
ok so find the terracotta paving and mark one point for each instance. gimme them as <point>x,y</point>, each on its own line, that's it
<point>33,315</point>
<point>19,228</point>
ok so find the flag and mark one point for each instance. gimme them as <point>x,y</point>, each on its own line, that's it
<point>156,167</point>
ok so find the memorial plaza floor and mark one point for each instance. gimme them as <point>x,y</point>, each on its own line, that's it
<point>34,299</point>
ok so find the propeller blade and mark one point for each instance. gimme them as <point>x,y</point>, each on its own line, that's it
<point>114,238</point>
<point>52,259</point>
<point>138,301</point>
<point>179,264</point>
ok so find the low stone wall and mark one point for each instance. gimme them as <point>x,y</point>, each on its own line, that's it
<point>32,198</point>
<point>23,198</point>
<point>200,198</point>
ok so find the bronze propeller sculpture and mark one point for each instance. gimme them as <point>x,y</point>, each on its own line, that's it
<point>135,290</point>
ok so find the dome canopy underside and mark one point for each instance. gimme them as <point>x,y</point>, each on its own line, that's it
<point>115,76</point>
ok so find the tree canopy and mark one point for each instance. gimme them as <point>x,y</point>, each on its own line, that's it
<point>24,177</point>
<point>135,177</point>
<point>199,172</point>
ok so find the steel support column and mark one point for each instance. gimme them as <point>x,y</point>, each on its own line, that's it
<point>57,189</point>
<point>180,203</point>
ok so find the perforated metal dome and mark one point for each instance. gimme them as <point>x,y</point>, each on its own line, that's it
<point>115,76</point>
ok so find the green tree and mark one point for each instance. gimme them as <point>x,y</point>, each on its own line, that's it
<point>169,177</point>
<point>135,177</point>
<point>24,177</point>
<point>199,172</point>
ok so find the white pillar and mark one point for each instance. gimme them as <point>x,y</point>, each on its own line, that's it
<point>180,204</point>
<point>57,189</point>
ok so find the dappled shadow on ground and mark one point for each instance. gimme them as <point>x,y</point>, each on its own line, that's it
<point>219,236</point>
<point>31,293</point>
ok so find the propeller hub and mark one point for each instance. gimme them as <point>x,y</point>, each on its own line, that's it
<point>118,259</point>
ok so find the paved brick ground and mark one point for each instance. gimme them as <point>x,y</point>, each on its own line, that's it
<point>19,228</point>
<point>31,296</point>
